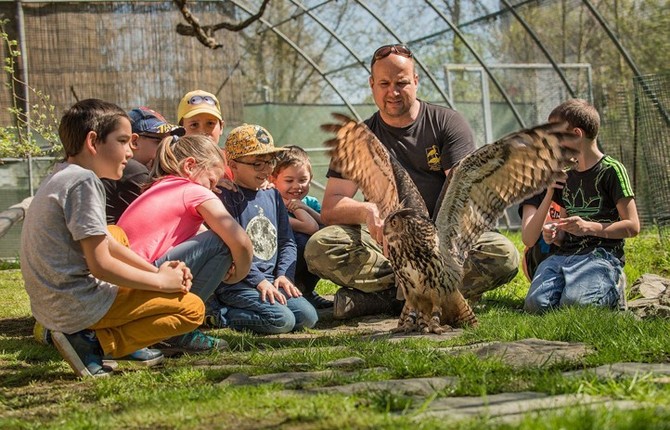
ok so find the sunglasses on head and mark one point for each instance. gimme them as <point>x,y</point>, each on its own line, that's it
<point>387,50</point>
<point>196,100</point>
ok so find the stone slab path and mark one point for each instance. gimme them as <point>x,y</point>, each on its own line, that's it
<point>424,392</point>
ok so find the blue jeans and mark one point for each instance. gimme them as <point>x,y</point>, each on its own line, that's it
<point>564,280</point>
<point>207,256</point>
<point>241,308</point>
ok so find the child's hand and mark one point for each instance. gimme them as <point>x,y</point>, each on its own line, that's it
<point>575,225</point>
<point>187,276</point>
<point>174,278</point>
<point>225,183</point>
<point>230,273</point>
<point>266,185</point>
<point>549,232</point>
<point>285,283</point>
<point>294,204</point>
<point>270,293</point>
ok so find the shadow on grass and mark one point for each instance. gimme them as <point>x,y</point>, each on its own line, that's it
<point>22,359</point>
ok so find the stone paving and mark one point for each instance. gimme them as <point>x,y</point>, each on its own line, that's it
<point>504,407</point>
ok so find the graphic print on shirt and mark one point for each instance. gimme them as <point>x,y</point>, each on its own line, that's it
<point>589,208</point>
<point>433,158</point>
<point>263,235</point>
<point>577,204</point>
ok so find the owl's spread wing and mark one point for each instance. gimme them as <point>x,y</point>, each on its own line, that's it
<point>495,177</point>
<point>360,157</point>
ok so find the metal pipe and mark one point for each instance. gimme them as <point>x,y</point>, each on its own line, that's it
<point>481,62</point>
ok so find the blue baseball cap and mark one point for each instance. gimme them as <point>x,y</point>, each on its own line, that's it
<point>145,120</point>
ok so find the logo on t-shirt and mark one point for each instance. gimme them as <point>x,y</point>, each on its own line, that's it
<point>433,158</point>
<point>263,235</point>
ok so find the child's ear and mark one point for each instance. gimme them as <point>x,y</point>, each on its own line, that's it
<point>91,141</point>
<point>188,165</point>
<point>133,142</point>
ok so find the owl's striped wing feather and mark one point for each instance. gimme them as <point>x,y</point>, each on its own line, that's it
<point>360,157</point>
<point>495,177</point>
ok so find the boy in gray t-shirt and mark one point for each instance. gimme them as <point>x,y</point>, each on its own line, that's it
<point>72,269</point>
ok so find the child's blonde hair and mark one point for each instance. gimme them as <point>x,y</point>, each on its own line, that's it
<point>292,156</point>
<point>172,152</point>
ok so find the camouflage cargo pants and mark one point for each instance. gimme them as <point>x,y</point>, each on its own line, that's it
<point>348,256</point>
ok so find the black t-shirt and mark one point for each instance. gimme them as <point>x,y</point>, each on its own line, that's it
<point>120,194</point>
<point>593,195</point>
<point>438,139</point>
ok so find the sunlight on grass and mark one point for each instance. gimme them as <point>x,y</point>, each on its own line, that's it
<point>39,390</point>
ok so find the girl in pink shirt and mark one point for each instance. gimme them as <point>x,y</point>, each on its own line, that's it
<point>166,221</point>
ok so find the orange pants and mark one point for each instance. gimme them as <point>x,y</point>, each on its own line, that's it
<point>140,318</point>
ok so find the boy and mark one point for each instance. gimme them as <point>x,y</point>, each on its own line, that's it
<point>199,112</point>
<point>149,128</point>
<point>72,269</point>
<point>292,177</point>
<point>266,301</point>
<point>598,213</point>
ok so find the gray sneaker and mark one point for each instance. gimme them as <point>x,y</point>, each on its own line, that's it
<point>351,303</point>
<point>82,352</point>
<point>195,342</point>
<point>147,357</point>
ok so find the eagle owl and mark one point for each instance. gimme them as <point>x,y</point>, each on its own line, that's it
<point>479,188</point>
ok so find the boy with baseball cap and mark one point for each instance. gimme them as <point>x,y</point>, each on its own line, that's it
<point>149,129</point>
<point>266,301</point>
<point>199,112</point>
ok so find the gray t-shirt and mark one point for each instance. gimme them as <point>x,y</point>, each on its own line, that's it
<point>68,207</point>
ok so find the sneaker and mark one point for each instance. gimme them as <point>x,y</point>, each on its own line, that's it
<point>318,302</point>
<point>82,352</point>
<point>350,303</point>
<point>145,357</point>
<point>195,342</point>
<point>42,334</point>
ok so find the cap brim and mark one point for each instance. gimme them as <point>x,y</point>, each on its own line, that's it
<point>210,110</point>
<point>264,152</point>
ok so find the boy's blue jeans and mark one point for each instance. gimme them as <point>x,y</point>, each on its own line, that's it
<point>207,256</point>
<point>241,308</point>
<point>564,280</point>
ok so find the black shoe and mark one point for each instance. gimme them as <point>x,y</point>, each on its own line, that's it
<point>317,301</point>
<point>350,303</point>
<point>82,352</point>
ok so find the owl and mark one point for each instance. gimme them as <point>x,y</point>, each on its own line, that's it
<point>429,271</point>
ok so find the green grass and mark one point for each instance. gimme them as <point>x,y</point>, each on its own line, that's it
<point>38,390</point>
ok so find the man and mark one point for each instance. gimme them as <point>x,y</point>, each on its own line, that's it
<point>428,140</point>
<point>149,128</point>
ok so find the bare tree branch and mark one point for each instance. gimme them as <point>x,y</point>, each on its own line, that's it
<point>205,34</point>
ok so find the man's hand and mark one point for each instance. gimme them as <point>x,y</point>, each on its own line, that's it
<point>375,224</point>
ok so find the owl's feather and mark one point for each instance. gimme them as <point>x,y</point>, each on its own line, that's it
<point>360,157</point>
<point>496,176</point>
<point>428,270</point>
